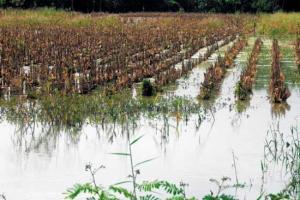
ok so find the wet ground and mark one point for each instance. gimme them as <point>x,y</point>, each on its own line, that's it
<point>185,149</point>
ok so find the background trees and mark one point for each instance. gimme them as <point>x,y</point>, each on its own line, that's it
<point>227,6</point>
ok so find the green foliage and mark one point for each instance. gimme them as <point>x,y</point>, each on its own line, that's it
<point>263,5</point>
<point>170,188</point>
<point>279,24</point>
<point>95,192</point>
<point>148,89</point>
<point>222,185</point>
<point>238,5</point>
<point>147,189</point>
<point>240,92</point>
<point>153,5</point>
<point>221,197</point>
<point>122,191</point>
<point>279,196</point>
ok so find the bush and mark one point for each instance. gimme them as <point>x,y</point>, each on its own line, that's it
<point>148,88</point>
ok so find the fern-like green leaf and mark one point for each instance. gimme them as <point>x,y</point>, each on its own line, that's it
<point>122,191</point>
<point>77,189</point>
<point>149,197</point>
<point>164,185</point>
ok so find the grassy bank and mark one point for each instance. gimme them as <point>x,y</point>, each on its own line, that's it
<point>52,17</point>
<point>278,24</point>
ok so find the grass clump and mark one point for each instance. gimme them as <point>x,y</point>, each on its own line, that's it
<point>148,89</point>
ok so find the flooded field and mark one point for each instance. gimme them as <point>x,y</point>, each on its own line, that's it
<point>192,140</point>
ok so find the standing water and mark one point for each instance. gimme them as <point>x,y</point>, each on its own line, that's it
<point>40,161</point>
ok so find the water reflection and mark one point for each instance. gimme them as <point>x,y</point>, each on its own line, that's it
<point>193,140</point>
<point>280,110</point>
<point>39,124</point>
<point>242,106</point>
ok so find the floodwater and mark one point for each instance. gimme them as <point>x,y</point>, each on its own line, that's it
<point>185,150</point>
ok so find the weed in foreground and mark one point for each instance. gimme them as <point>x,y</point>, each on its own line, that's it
<point>140,191</point>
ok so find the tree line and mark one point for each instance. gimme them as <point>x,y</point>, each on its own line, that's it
<point>225,6</point>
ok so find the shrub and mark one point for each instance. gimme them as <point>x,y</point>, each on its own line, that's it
<point>148,88</point>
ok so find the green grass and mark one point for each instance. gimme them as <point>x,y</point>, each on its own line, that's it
<point>53,17</point>
<point>288,65</point>
<point>263,68</point>
<point>72,112</point>
<point>278,24</point>
<point>275,25</point>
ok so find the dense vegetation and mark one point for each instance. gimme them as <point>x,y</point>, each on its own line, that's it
<point>278,88</point>
<point>215,73</point>
<point>114,55</point>
<point>244,86</point>
<point>158,5</point>
<point>52,52</point>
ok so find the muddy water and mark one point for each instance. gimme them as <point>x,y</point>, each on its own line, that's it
<point>186,150</point>
<point>190,86</point>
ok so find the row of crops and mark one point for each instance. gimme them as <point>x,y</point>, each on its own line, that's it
<point>298,53</point>
<point>41,59</point>
<point>216,73</point>
<point>278,89</point>
<point>46,59</point>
